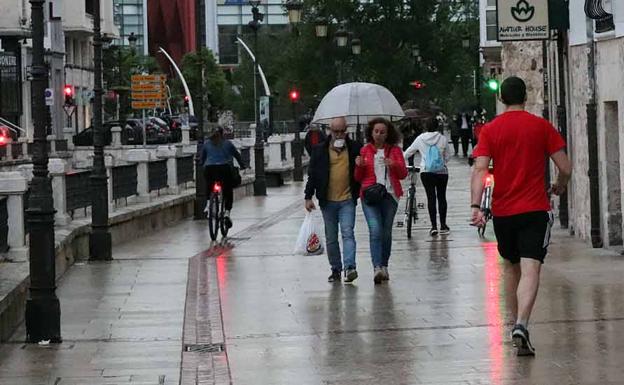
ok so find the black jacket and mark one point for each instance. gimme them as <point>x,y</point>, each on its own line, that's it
<point>318,171</point>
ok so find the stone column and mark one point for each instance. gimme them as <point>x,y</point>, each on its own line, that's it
<point>141,158</point>
<point>275,151</point>
<point>170,153</point>
<point>58,168</point>
<point>68,133</point>
<point>52,140</point>
<point>14,185</point>
<point>24,141</point>
<point>109,163</point>
<point>186,134</point>
<point>116,134</point>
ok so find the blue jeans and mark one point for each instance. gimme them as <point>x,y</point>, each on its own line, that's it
<point>343,214</point>
<point>380,219</point>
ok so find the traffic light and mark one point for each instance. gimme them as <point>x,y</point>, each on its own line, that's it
<point>68,91</point>
<point>186,101</point>
<point>493,84</point>
<point>5,137</point>
<point>294,96</point>
<point>417,84</point>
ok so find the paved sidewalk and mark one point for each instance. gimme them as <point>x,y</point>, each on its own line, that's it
<point>266,316</point>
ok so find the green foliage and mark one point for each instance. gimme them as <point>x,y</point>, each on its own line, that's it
<point>388,29</point>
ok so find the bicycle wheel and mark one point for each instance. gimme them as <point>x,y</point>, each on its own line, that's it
<point>222,225</point>
<point>213,216</point>
<point>410,214</point>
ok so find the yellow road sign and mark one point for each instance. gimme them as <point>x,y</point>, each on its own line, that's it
<point>148,78</point>
<point>147,87</point>
<point>142,105</point>
<point>148,95</point>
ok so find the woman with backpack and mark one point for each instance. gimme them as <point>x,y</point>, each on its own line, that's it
<point>434,154</point>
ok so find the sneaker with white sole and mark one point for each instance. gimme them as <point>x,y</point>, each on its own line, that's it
<point>378,276</point>
<point>444,230</point>
<point>520,337</point>
<point>350,275</point>
<point>433,232</point>
<point>386,275</point>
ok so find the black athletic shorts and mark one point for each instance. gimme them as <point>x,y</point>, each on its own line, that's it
<point>524,235</point>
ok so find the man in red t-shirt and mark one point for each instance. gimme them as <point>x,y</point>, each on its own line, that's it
<point>519,144</point>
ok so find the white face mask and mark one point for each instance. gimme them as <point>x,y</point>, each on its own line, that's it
<point>339,143</point>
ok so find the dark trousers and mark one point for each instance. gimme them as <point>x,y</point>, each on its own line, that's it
<point>466,135</point>
<point>455,140</point>
<point>223,174</point>
<point>435,187</point>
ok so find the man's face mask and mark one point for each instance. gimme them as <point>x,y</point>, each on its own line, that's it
<point>339,143</point>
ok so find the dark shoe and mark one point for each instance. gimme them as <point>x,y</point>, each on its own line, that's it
<point>334,277</point>
<point>227,222</point>
<point>444,229</point>
<point>350,275</point>
<point>433,232</point>
<point>379,275</point>
<point>520,337</point>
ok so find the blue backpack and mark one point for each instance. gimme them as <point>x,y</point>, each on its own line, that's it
<point>433,160</point>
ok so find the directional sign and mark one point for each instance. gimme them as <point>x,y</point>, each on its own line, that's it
<point>146,78</point>
<point>146,87</point>
<point>141,105</point>
<point>148,95</point>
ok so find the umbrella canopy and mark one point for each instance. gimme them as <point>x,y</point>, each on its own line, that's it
<point>358,103</point>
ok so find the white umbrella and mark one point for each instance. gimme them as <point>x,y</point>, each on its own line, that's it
<point>358,103</point>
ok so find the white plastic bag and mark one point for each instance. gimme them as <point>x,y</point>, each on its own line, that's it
<point>309,241</point>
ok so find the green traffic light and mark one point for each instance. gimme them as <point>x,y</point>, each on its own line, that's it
<point>493,84</point>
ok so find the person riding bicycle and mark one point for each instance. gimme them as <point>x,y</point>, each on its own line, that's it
<point>216,156</point>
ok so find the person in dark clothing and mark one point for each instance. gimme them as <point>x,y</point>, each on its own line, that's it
<point>313,137</point>
<point>217,157</point>
<point>463,122</point>
<point>331,179</point>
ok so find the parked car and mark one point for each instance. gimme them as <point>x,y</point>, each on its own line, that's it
<point>194,126</point>
<point>157,131</point>
<point>132,133</point>
<point>175,127</point>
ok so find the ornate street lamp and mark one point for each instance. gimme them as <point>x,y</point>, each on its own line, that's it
<point>321,27</point>
<point>342,37</point>
<point>260,176</point>
<point>294,8</point>
<point>132,41</point>
<point>43,312</point>
<point>356,46</point>
<point>100,237</point>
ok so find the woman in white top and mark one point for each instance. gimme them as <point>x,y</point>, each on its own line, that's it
<point>434,154</point>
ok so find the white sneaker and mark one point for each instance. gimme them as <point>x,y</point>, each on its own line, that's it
<point>386,275</point>
<point>379,275</point>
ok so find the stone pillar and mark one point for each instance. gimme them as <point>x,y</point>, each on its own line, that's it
<point>14,185</point>
<point>68,133</point>
<point>24,141</point>
<point>170,153</point>
<point>275,151</point>
<point>58,168</point>
<point>141,158</point>
<point>186,134</point>
<point>289,141</point>
<point>109,163</point>
<point>52,140</point>
<point>116,134</point>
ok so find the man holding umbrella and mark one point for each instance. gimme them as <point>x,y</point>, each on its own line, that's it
<point>331,179</point>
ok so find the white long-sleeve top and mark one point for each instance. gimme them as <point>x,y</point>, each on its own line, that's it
<point>421,145</point>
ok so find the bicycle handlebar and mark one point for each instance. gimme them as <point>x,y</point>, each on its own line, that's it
<point>413,169</point>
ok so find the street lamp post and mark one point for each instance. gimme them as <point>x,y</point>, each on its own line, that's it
<point>260,186</point>
<point>100,237</point>
<point>43,312</point>
<point>294,8</point>
<point>477,71</point>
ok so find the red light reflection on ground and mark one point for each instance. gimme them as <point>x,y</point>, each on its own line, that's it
<point>493,284</point>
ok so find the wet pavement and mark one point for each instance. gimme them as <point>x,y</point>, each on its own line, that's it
<point>440,319</point>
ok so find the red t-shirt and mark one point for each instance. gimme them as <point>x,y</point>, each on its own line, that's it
<point>519,144</point>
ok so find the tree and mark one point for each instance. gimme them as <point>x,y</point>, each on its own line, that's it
<point>388,29</point>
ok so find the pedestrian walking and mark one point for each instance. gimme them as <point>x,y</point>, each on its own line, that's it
<point>519,143</point>
<point>455,135</point>
<point>380,168</point>
<point>313,137</point>
<point>331,178</point>
<point>434,155</point>
<point>464,128</point>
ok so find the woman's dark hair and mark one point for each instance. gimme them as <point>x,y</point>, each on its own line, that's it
<point>393,135</point>
<point>216,134</point>
<point>432,125</point>
<point>513,91</point>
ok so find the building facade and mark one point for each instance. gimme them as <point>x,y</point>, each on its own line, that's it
<point>131,17</point>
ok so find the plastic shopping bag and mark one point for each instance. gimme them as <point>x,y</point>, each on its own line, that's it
<point>309,241</point>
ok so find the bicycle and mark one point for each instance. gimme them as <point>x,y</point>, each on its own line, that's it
<point>411,205</point>
<point>216,210</point>
<point>486,203</point>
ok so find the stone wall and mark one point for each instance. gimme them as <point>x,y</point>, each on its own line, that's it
<point>524,59</point>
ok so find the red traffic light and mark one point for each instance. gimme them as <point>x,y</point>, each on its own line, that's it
<point>186,98</point>
<point>293,95</point>
<point>4,136</point>
<point>418,84</point>
<point>68,90</point>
